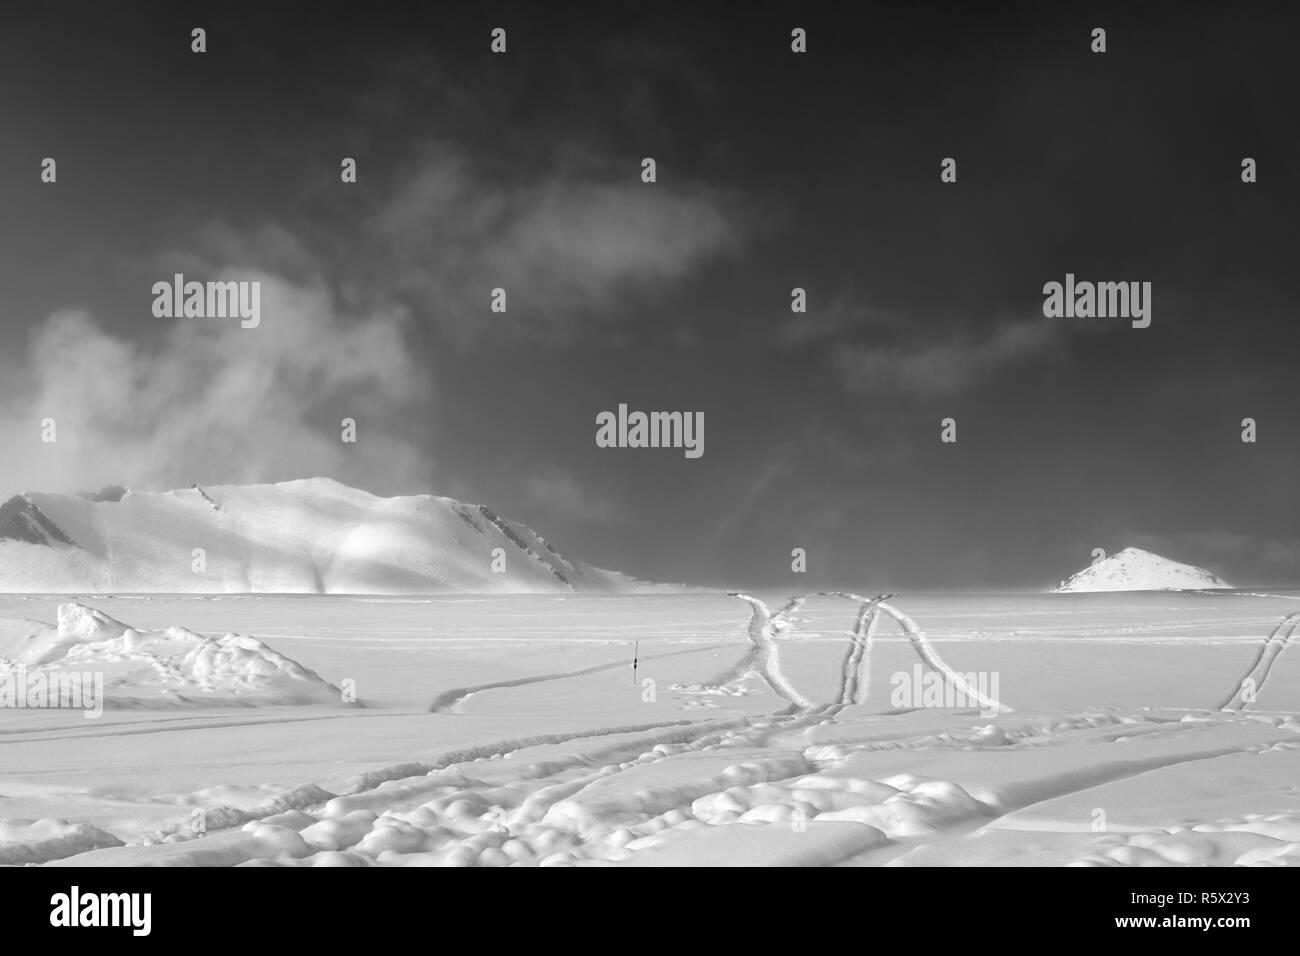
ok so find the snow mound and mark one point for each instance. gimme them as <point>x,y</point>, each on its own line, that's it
<point>170,667</point>
<point>79,624</point>
<point>1136,570</point>
<point>35,841</point>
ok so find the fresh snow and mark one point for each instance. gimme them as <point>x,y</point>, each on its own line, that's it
<point>1136,570</point>
<point>313,536</point>
<point>760,729</point>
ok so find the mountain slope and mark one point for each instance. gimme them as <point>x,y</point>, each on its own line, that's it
<point>309,536</point>
<point>1136,570</point>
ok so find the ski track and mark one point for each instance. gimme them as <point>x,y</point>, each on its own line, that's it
<point>927,652</point>
<point>1278,640</point>
<point>764,658</point>
<point>448,700</point>
<point>856,672</point>
<point>450,811</point>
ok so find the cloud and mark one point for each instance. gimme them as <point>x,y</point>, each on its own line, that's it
<point>960,360</point>
<point>202,400</point>
<point>213,402</point>
<point>567,246</point>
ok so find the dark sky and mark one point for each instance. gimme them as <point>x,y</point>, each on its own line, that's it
<point>775,170</point>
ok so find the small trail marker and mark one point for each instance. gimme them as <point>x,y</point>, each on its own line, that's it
<point>635,653</point>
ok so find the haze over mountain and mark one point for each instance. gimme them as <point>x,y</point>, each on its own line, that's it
<point>1136,570</point>
<point>313,536</point>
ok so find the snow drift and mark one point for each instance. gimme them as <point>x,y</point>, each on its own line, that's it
<point>152,668</point>
<point>313,536</point>
<point>1136,570</point>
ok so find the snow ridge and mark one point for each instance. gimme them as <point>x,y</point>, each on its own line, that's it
<point>310,536</point>
<point>22,520</point>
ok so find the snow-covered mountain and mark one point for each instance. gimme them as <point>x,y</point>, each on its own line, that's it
<point>313,536</point>
<point>1136,570</point>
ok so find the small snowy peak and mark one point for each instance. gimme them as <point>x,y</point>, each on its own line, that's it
<point>1136,570</point>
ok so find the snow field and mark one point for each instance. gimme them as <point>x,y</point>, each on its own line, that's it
<point>1111,747</point>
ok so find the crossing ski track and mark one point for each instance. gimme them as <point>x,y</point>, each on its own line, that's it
<point>764,657</point>
<point>926,650</point>
<point>558,799</point>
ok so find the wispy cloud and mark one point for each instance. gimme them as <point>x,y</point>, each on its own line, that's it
<point>567,245</point>
<point>213,402</point>
<point>204,400</point>
<point>959,360</point>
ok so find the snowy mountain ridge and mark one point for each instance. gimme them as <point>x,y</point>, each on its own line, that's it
<point>311,536</point>
<point>1136,570</point>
